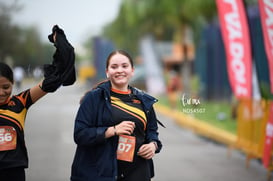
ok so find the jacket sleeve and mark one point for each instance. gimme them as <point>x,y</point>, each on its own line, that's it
<point>152,130</point>
<point>86,132</point>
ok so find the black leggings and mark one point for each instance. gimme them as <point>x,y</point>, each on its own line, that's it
<point>138,171</point>
<point>13,174</point>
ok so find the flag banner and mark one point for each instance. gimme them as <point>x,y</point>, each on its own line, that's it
<point>236,38</point>
<point>266,15</point>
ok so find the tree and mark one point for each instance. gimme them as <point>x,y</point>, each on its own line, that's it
<point>164,19</point>
<point>8,32</point>
<point>22,45</point>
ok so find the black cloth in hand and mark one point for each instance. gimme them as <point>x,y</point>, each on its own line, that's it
<point>62,69</point>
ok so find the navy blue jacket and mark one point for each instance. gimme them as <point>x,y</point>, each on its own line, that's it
<point>95,157</point>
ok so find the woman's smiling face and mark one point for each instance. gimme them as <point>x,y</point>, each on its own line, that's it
<point>5,89</point>
<point>119,71</point>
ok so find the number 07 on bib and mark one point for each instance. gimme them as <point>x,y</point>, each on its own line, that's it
<point>126,148</point>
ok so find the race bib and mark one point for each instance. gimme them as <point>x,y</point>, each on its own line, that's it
<point>8,138</point>
<point>126,148</point>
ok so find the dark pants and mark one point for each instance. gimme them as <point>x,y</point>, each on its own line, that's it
<point>13,174</point>
<point>138,171</point>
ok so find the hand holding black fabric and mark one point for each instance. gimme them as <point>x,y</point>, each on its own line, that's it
<point>62,70</point>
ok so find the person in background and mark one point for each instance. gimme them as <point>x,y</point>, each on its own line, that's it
<point>18,76</point>
<point>174,88</point>
<point>116,129</point>
<point>13,110</point>
<point>37,73</point>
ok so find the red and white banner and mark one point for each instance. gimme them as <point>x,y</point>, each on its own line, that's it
<point>235,33</point>
<point>268,138</point>
<point>266,14</point>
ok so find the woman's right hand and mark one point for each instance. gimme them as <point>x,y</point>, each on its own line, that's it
<point>125,127</point>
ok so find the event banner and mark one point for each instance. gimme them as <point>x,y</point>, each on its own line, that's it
<point>235,33</point>
<point>266,14</point>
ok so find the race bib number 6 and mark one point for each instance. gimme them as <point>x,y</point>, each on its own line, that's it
<point>8,138</point>
<point>126,148</point>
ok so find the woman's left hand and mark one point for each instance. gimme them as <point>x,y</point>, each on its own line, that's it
<point>147,151</point>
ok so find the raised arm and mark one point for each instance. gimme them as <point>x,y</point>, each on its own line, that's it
<point>61,71</point>
<point>36,92</point>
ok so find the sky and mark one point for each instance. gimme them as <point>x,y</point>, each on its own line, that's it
<point>79,19</point>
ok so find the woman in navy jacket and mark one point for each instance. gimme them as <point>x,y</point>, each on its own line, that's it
<point>101,123</point>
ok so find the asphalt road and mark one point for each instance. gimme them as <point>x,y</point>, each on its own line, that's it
<point>184,157</point>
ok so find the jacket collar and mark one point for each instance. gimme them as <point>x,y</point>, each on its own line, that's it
<point>146,99</point>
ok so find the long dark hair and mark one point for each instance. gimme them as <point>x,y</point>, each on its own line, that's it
<point>6,71</point>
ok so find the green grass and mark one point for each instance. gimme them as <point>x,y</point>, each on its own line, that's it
<point>218,114</point>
